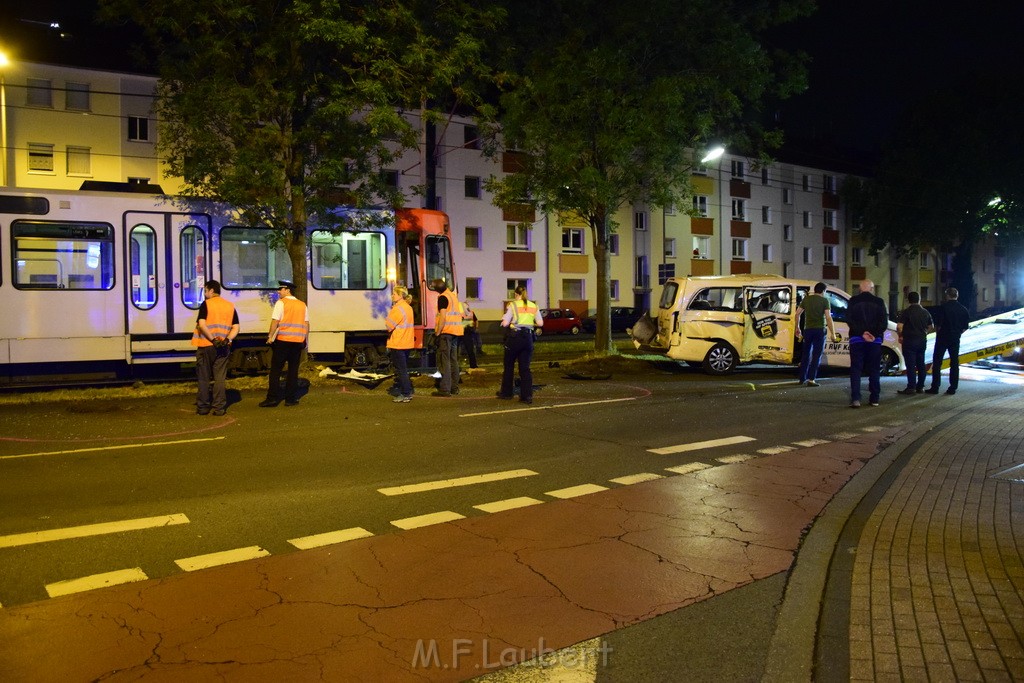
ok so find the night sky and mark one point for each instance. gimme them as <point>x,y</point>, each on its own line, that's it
<point>871,59</point>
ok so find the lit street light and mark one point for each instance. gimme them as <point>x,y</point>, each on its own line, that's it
<point>713,154</point>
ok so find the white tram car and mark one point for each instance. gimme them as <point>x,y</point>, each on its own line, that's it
<point>108,284</point>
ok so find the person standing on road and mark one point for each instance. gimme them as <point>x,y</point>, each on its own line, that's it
<point>817,314</point>
<point>401,338</point>
<point>449,330</point>
<point>216,328</point>
<point>471,338</point>
<point>289,329</point>
<point>913,326</point>
<point>951,321</point>
<point>868,321</point>
<point>521,317</point>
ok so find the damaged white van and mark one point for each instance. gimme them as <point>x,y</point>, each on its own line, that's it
<point>719,322</point>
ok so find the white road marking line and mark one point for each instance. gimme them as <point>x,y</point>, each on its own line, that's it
<point>90,530</point>
<point>111,448</point>
<point>508,504</point>
<point>732,459</point>
<point>811,442</point>
<point>842,436</point>
<point>427,520</point>
<point>636,478</point>
<point>551,407</point>
<point>775,450</point>
<point>698,445</point>
<point>688,468</point>
<point>191,564</point>
<point>573,491</point>
<point>790,382</point>
<point>88,583</point>
<point>330,538</point>
<point>872,428</point>
<point>452,483</point>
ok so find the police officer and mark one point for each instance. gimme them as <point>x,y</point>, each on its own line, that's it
<point>216,327</point>
<point>289,328</point>
<point>521,317</point>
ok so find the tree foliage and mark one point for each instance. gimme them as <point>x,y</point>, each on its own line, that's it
<point>285,109</point>
<point>612,100</point>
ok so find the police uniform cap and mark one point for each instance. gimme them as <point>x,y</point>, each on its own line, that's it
<point>286,283</point>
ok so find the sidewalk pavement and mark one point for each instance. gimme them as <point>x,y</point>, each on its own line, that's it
<point>911,570</point>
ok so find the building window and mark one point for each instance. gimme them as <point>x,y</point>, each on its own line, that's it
<point>572,240</point>
<point>79,162</point>
<point>766,253</point>
<point>76,96</point>
<point>806,182</point>
<point>138,129</point>
<point>39,93</point>
<point>737,168</point>
<point>670,247</point>
<point>512,283</point>
<point>857,256</point>
<point>808,256</point>
<point>699,169</point>
<point>473,288</point>
<point>470,137</point>
<point>984,294</point>
<point>473,187</point>
<point>764,175</point>
<point>517,237</point>
<point>700,205</point>
<point>787,195</point>
<point>615,290</point>
<point>830,255</point>
<point>613,245</point>
<point>739,209</point>
<point>807,219</point>
<point>830,219</point>
<point>766,214</point>
<point>474,237</point>
<point>40,158</point>
<point>787,232</point>
<point>787,269</point>
<point>926,294</point>
<point>829,183</point>
<point>573,290</point>
<point>739,250</point>
<point>701,247</point>
<point>390,177</point>
<point>639,220</point>
<point>925,261</point>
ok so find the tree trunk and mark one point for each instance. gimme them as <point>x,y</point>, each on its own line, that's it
<point>603,335</point>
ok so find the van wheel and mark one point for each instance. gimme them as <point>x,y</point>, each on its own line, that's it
<point>721,360</point>
<point>890,363</point>
<point>575,330</point>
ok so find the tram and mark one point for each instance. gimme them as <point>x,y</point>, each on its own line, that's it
<point>97,284</point>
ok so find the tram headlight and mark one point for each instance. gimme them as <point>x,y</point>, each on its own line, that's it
<point>392,275</point>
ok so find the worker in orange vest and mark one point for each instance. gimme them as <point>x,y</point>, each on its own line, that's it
<point>449,329</point>
<point>289,329</point>
<point>216,328</point>
<point>401,338</point>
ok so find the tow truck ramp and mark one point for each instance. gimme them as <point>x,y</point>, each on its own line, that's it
<point>996,336</point>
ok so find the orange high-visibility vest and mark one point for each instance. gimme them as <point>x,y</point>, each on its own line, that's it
<point>453,320</point>
<point>401,326</point>
<point>293,326</point>
<point>219,314</point>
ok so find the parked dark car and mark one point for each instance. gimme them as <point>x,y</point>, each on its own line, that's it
<point>622,318</point>
<point>559,321</point>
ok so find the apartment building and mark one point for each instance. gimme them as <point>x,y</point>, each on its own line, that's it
<point>65,126</point>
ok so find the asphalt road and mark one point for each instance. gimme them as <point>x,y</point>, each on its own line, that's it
<point>259,478</point>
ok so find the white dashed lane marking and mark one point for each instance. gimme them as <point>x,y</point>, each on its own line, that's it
<point>121,447</point>
<point>775,450</point>
<point>329,538</point>
<point>573,491</point>
<point>811,442</point>
<point>191,564</point>
<point>700,445</point>
<point>90,530</point>
<point>88,583</point>
<point>636,478</point>
<point>508,504</point>
<point>452,483</point>
<point>427,520</point>
<point>688,468</point>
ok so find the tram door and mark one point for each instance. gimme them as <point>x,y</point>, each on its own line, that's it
<point>167,264</point>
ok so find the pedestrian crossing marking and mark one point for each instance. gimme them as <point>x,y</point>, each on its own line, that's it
<point>426,520</point>
<point>88,583</point>
<point>330,538</point>
<point>508,504</point>
<point>700,445</point>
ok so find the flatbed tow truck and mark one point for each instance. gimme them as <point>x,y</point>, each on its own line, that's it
<point>1000,335</point>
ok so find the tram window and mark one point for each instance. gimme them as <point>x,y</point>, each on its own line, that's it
<point>439,259</point>
<point>62,255</point>
<point>348,260</point>
<point>142,243</point>
<point>193,266</point>
<point>248,261</point>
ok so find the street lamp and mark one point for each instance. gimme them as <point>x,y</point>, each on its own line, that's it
<point>4,62</point>
<point>713,154</point>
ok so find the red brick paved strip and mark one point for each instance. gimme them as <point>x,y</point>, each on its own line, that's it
<point>484,591</point>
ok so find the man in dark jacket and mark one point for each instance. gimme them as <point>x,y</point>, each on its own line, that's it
<point>913,327</point>
<point>868,321</point>
<point>951,320</point>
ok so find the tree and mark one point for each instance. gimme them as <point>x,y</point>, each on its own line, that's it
<point>953,173</point>
<point>285,109</point>
<point>613,100</point>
